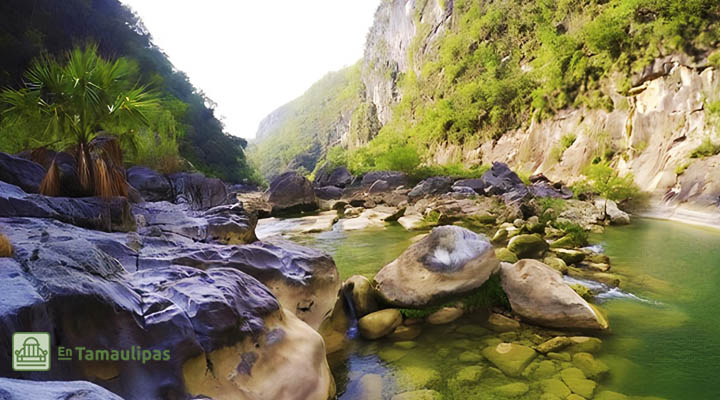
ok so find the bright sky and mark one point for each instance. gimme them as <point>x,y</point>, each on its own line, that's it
<point>251,57</point>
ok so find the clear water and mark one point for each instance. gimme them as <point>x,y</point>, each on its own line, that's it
<point>665,318</point>
<point>669,345</point>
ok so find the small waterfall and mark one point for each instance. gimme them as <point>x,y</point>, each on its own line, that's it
<point>602,291</point>
<point>352,331</point>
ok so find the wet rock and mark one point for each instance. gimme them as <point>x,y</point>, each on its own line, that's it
<point>17,389</point>
<point>510,358</point>
<point>565,242</point>
<point>369,387</point>
<point>569,256</point>
<point>515,389</point>
<point>539,294</point>
<point>411,221</point>
<point>20,172</point>
<point>152,185</point>
<point>112,214</point>
<point>554,344</point>
<point>557,264</point>
<point>393,178</point>
<point>379,323</point>
<point>404,332</point>
<point>291,192</point>
<point>334,328</point>
<point>470,357</point>
<point>198,191</point>
<point>449,261</point>
<point>431,186</point>
<point>338,177</point>
<point>359,290</point>
<point>470,374</point>
<point>556,387</point>
<point>501,323</point>
<point>592,368</point>
<point>528,246</point>
<point>444,315</point>
<point>608,395</point>
<point>575,379</point>
<point>416,377</point>
<point>584,344</point>
<point>370,218</point>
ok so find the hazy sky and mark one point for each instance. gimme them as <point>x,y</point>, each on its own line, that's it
<point>251,57</point>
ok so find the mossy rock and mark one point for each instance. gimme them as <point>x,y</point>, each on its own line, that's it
<point>592,368</point>
<point>584,344</point>
<point>556,387</point>
<point>416,377</point>
<point>501,323</point>
<point>505,255</point>
<point>501,236</point>
<point>565,242</point>
<point>559,356</point>
<point>557,264</point>
<point>406,344</point>
<point>570,256</point>
<point>544,369</point>
<point>608,395</point>
<point>510,358</point>
<point>470,374</point>
<point>575,379</point>
<point>473,330</point>
<point>528,246</point>
<point>510,390</point>
<point>380,323</point>
<point>404,332</point>
<point>392,354</point>
<point>583,291</point>
<point>470,357</point>
<point>554,344</point>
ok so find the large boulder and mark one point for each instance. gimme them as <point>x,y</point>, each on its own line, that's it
<point>449,261</point>
<point>225,333</point>
<point>66,168</point>
<point>393,178</point>
<point>198,191</point>
<point>502,181</point>
<point>477,185</point>
<point>18,389</point>
<point>291,192</point>
<point>379,323</point>
<point>230,224</point>
<point>328,192</point>
<point>528,246</point>
<point>338,177</point>
<point>152,185</point>
<point>359,291</point>
<point>305,281</point>
<point>430,186</point>
<point>21,172</point>
<point>112,214</point>
<point>614,214</point>
<point>538,294</point>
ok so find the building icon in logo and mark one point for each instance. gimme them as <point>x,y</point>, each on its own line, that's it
<point>31,351</point>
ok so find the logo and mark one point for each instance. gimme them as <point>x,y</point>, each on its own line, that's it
<point>31,351</point>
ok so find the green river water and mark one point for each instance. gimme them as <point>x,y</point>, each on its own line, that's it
<point>665,339</point>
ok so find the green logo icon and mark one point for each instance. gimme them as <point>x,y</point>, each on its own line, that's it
<point>31,351</point>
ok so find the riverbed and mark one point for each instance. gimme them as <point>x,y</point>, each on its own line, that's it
<point>665,338</point>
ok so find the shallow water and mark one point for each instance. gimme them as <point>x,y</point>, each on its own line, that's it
<point>669,345</point>
<point>665,319</point>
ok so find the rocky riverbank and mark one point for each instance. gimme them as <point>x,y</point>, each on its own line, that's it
<point>248,318</point>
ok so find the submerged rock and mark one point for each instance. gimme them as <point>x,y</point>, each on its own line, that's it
<point>538,294</point>
<point>449,261</point>
<point>510,358</point>
<point>380,323</point>
<point>425,394</point>
<point>444,315</point>
<point>17,389</point>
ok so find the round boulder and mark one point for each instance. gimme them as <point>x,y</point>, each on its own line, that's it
<point>379,323</point>
<point>450,260</point>
<point>291,192</point>
<point>528,246</point>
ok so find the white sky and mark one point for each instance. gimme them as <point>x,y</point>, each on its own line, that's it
<point>251,57</point>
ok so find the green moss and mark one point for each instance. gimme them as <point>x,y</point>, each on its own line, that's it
<point>575,232</point>
<point>680,169</point>
<point>706,149</point>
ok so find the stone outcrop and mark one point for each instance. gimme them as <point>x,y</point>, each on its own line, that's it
<point>538,294</point>
<point>393,178</point>
<point>21,172</point>
<point>338,177</point>
<point>198,191</point>
<point>449,261</point>
<point>502,181</point>
<point>152,185</point>
<point>291,192</point>
<point>430,186</point>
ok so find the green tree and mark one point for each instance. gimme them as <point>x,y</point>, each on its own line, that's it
<point>603,180</point>
<point>74,103</point>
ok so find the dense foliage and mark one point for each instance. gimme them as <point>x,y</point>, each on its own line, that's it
<point>187,123</point>
<point>505,62</point>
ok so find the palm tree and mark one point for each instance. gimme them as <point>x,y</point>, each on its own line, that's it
<point>77,105</point>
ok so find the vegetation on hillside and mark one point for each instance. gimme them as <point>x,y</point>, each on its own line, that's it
<point>311,125</point>
<point>187,124</point>
<point>505,62</point>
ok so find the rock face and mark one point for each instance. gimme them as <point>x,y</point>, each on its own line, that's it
<point>152,185</point>
<point>291,192</point>
<point>434,185</point>
<point>63,280</point>
<point>21,172</point>
<point>449,261</point>
<point>91,212</point>
<point>338,177</point>
<point>17,389</point>
<point>538,294</point>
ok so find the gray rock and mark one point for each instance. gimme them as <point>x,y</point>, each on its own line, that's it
<point>393,178</point>
<point>152,185</point>
<point>434,185</point>
<point>338,177</point>
<point>379,186</point>
<point>17,389</point>
<point>477,185</point>
<point>291,192</point>
<point>501,180</point>
<point>328,192</point>
<point>21,172</point>
<point>198,191</point>
<point>449,261</point>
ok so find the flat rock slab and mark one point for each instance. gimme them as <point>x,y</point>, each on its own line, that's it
<point>510,358</point>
